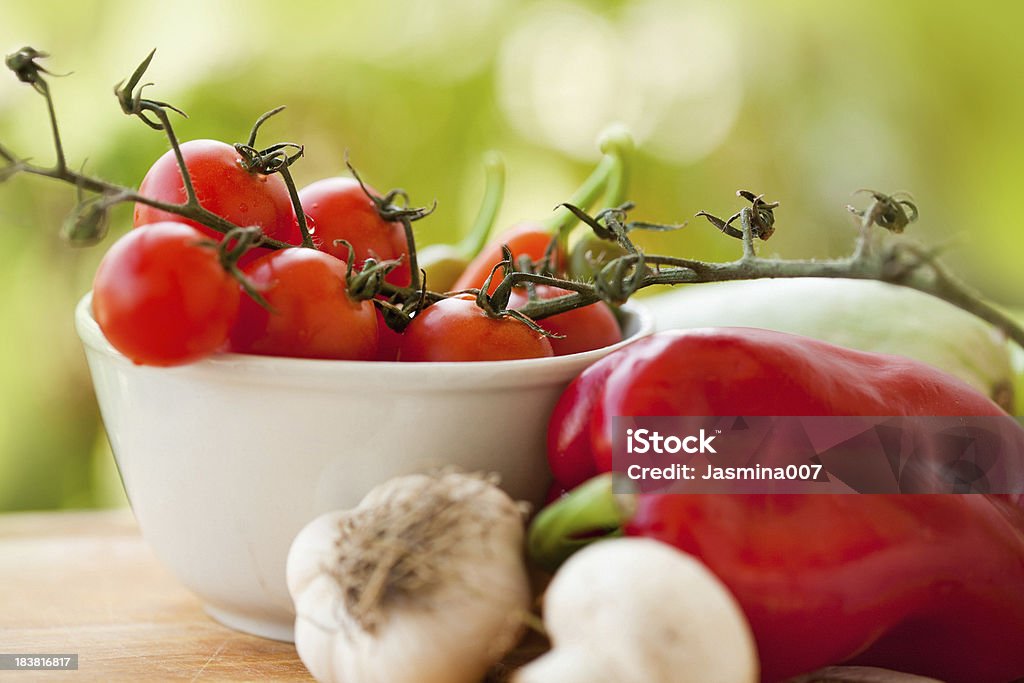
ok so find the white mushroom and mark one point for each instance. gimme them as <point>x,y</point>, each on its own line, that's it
<point>634,610</point>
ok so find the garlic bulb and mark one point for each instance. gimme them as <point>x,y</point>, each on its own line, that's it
<point>424,581</point>
<point>634,610</point>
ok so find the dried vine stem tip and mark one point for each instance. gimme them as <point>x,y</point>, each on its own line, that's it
<point>87,223</point>
<point>273,159</point>
<point>23,64</point>
<point>131,100</point>
<point>233,246</point>
<point>892,212</point>
<point>601,230</point>
<point>11,169</point>
<point>386,206</point>
<point>366,284</point>
<point>260,121</point>
<point>762,217</point>
<point>124,89</point>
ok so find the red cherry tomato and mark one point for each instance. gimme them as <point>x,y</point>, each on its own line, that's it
<point>529,239</point>
<point>223,187</point>
<point>341,211</point>
<point>583,329</point>
<point>456,329</point>
<point>388,340</point>
<point>163,298</point>
<point>313,315</point>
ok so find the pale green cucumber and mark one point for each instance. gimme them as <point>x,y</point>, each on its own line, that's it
<point>858,314</point>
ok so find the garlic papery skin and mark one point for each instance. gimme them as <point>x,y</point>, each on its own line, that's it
<point>634,610</point>
<point>423,582</point>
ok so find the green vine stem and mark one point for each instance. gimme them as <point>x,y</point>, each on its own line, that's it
<point>618,141</point>
<point>444,263</point>
<point>389,211</point>
<point>293,194</point>
<point>134,105</point>
<point>616,144</point>
<point>900,263</point>
<point>875,255</point>
<point>487,214</point>
<point>24,65</point>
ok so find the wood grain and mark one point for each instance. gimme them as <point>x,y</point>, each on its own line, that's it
<point>86,583</point>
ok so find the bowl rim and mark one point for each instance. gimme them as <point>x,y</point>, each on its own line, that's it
<point>92,337</point>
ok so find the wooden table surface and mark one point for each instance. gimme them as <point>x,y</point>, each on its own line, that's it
<point>86,583</point>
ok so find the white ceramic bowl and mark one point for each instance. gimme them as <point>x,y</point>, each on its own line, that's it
<point>226,459</point>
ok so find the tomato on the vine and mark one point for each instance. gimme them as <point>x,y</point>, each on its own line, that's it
<point>581,329</point>
<point>528,239</point>
<point>223,186</point>
<point>312,314</point>
<point>456,329</point>
<point>388,340</point>
<point>340,210</point>
<point>162,296</point>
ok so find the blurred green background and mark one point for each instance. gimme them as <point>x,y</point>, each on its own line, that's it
<point>805,101</point>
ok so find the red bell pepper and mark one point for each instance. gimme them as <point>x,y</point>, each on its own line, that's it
<point>740,371</point>
<point>930,584</point>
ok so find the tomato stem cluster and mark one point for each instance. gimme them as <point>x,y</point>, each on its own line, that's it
<point>390,211</point>
<point>234,245</point>
<point>897,262</point>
